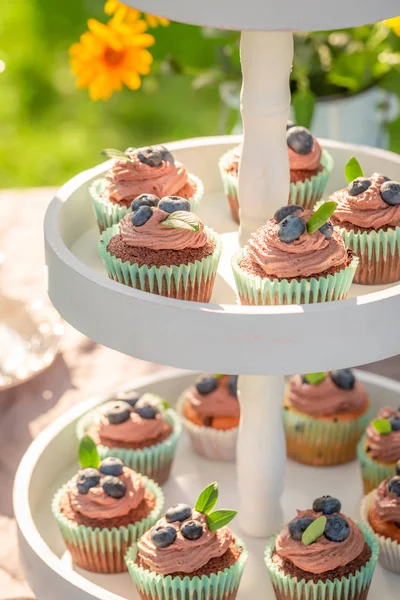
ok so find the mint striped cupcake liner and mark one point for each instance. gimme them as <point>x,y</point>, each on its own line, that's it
<point>193,281</point>
<point>109,213</point>
<point>304,193</point>
<point>256,290</point>
<point>100,549</point>
<point>389,550</point>
<point>372,471</point>
<point>155,461</point>
<point>351,587</point>
<point>217,586</point>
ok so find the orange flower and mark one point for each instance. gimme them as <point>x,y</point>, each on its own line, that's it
<point>129,15</point>
<point>111,55</point>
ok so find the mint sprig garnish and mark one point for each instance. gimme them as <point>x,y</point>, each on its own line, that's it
<point>182,219</point>
<point>315,378</point>
<point>113,153</point>
<point>320,217</point>
<point>218,375</point>
<point>206,502</point>
<point>353,169</point>
<point>382,426</point>
<point>314,531</point>
<point>88,455</point>
<point>220,518</point>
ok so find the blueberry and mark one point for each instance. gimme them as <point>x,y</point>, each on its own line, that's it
<point>299,139</point>
<point>358,186</point>
<point>327,505</point>
<point>298,526</point>
<point>111,466</point>
<point>141,216</point>
<point>117,412</point>
<point>394,485</point>
<point>146,411</point>
<point>395,423</point>
<point>171,204</point>
<point>390,192</point>
<point>144,200</point>
<point>206,385</point>
<point>327,230</point>
<point>167,156</point>
<point>398,468</point>
<point>233,384</point>
<point>384,177</point>
<point>162,537</point>
<point>179,512</point>
<point>285,211</point>
<point>87,478</point>
<point>291,228</point>
<point>343,379</point>
<point>337,529</point>
<point>192,530</point>
<point>130,397</point>
<point>151,156</point>
<point>113,486</point>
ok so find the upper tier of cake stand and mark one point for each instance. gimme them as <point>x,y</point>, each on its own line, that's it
<point>286,15</point>
<point>220,337</point>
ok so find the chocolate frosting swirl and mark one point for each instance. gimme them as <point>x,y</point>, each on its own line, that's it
<point>97,505</point>
<point>307,256</point>
<point>133,431</point>
<point>305,162</point>
<point>156,236</point>
<point>325,398</point>
<point>219,403</point>
<point>387,504</point>
<point>323,555</point>
<point>367,210</point>
<point>184,556</point>
<point>385,447</point>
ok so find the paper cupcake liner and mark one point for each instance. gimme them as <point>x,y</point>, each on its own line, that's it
<point>321,442</point>
<point>389,550</point>
<point>102,550</point>
<point>212,443</point>
<point>217,586</point>
<point>155,461</point>
<point>108,213</point>
<point>304,193</point>
<point>372,471</point>
<point>255,290</point>
<point>193,281</point>
<point>351,587</point>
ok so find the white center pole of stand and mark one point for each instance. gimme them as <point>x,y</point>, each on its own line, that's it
<point>266,58</point>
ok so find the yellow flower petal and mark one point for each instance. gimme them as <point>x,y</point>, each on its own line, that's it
<point>132,80</point>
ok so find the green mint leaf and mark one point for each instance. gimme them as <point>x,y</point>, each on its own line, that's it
<point>353,169</point>
<point>113,153</point>
<point>218,375</point>
<point>382,426</point>
<point>220,518</point>
<point>88,455</point>
<point>181,219</point>
<point>320,217</point>
<point>207,499</point>
<point>166,404</point>
<point>315,377</point>
<point>314,531</point>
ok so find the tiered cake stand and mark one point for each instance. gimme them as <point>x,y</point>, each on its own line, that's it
<point>261,344</point>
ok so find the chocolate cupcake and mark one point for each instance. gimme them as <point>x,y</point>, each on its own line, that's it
<point>381,511</point>
<point>379,449</point>
<point>210,411</point>
<point>189,554</point>
<point>324,417</point>
<point>164,249</point>
<point>103,509</point>
<point>137,171</point>
<point>140,430</point>
<point>368,218</point>
<point>296,258</point>
<point>322,554</point>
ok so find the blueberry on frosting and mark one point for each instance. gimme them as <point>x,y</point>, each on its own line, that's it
<point>390,192</point>
<point>206,385</point>
<point>146,411</point>
<point>298,526</point>
<point>233,384</point>
<point>179,512</point>
<point>327,230</point>
<point>171,204</point>
<point>86,479</point>
<point>113,487</point>
<point>394,485</point>
<point>141,216</point>
<point>163,536</point>
<point>111,466</point>
<point>337,529</point>
<point>299,139</point>
<point>327,505</point>
<point>343,379</point>
<point>130,397</point>
<point>144,200</point>
<point>395,423</point>
<point>358,186</point>
<point>117,412</point>
<point>150,156</point>
<point>285,211</point>
<point>291,229</point>
<point>192,530</point>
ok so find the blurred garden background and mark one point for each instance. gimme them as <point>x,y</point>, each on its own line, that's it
<point>50,129</point>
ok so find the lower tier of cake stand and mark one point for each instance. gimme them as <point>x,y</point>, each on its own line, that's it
<point>52,459</point>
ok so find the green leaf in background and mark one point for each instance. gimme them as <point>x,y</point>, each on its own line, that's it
<point>314,531</point>
<point>113,153</point>
<point>320,217</point>
<point>166,404</point>
<point>207,499</point>
<point>182,219</point>
<point>303,103</point>
<point>88,455</point>
<point>220,518</point>
<point>382,426</point>
<point>353,169</point>
<point>315,378</point>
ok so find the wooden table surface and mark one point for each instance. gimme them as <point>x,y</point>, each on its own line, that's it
<point>81,369</point>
